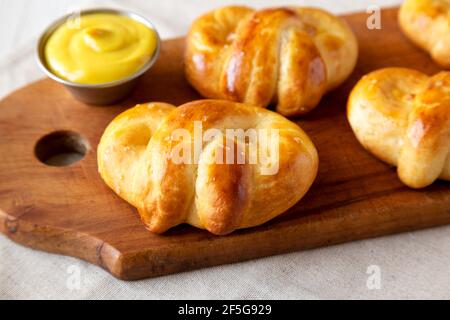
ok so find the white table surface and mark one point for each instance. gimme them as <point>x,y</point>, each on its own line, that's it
<point>412,265</point>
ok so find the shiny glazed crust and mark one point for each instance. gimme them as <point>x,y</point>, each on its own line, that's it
<point>427,24</point>
<point>289,57</point>
<point>135,160</point>
<point>402,116</point>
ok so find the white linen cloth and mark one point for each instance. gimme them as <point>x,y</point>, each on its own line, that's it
<point>410,265</point>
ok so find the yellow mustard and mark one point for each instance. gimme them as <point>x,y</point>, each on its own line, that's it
<point>99,48</point>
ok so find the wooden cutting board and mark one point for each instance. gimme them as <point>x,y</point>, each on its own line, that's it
<point>69,210</point>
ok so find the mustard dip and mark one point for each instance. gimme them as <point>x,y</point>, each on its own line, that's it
<point>99,48</point>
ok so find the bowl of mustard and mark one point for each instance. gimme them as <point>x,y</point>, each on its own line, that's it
<point>99,54</point>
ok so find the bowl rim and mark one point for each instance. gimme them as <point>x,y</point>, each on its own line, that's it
<point>40,56</point>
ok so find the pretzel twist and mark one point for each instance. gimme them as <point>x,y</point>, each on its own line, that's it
<point>289,57</point>
<point>136,159</point>
<point>403,117</point>
<point>427,24</point>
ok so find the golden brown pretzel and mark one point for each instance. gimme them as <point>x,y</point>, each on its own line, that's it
<point>286,56</point>
<point>427,24</point>
<point>136,159</point>
<point>403,117</point>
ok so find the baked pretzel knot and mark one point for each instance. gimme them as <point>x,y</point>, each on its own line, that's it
<point>403,117</point>
<point>288,57</point>
<point>426,23</point>
<point>140,158</point>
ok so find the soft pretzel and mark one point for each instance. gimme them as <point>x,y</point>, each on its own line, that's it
<point>289,57</point>
<point>427,24</point>
<point>136,159</point>
<point>402,116</point>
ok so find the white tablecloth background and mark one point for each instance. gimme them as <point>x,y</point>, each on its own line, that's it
<point>413,265</point>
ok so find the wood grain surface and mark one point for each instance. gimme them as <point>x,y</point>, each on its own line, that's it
<point>70,211</point>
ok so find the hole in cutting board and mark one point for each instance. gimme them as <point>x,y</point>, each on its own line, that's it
<point>61,148</point>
